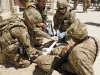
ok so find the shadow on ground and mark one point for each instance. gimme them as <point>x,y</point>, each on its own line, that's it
<point>92,24</point>
<point>79,11</point>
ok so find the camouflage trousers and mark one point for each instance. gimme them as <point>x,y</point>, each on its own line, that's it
<point>75,4</point>
<point>20,38</point>
<point>45,62</point>
<point>16,57</point>
<point>86,5</point>
<point>19,61</point>
<point>66,69</point>
<point>13,56</point>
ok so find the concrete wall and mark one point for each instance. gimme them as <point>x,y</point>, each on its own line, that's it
<point>5,9</point>
<point>5,16</point>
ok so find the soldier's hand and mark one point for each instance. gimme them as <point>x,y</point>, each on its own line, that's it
<point>65,49</point>
<point>42,25</point>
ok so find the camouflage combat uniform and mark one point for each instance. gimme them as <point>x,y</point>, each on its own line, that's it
<point>82,56</point>
<point>63,21</point>
<point>43,12</point>
<point>15,38</point>
<point>36,31</point>
<point>86,5</point>
<point>45,20</point>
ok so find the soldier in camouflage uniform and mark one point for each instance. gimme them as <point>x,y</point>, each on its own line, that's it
<point>63,18</point>
<point>14,37</point>
<point>40,6</point>
<point>39,27</point>
<point>82,56</point>
<point>86,5</point>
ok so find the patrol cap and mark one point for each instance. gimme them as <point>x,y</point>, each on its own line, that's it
<point>78,30</point>
<point>32,14</point>
<point>62,3</point>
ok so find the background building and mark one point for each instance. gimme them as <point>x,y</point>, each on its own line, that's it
<point>16,7</point>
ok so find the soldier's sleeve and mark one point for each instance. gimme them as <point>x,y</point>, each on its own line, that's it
<point>72,17</point>
<point>83,61</point>
<point>39,32</point>
<point>55,22</point>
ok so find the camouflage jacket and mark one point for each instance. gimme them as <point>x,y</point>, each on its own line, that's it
<point>6,26</point>
<point>61,20</point>
<point>82,56</point>
<point>43,12</point>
